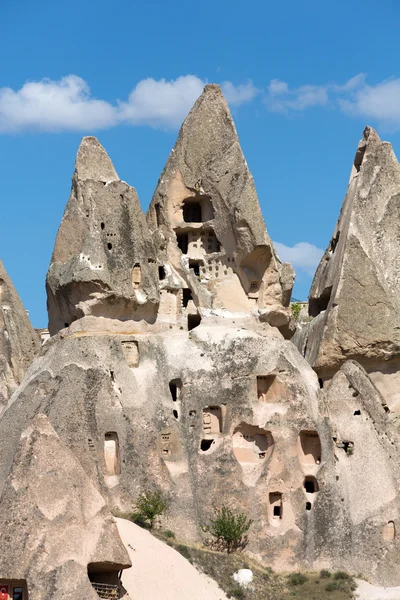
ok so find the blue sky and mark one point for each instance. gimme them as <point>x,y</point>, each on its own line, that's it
<point>303,78</point>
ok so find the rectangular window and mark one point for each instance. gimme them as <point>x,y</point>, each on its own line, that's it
<point>17,593</point>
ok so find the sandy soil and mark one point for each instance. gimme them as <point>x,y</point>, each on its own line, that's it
<point>159,572</point>
<point>366,591</point>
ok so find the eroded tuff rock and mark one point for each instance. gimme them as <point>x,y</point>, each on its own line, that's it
<point>355,295</point>
<point>211,235</point>
<point>19,343</point>
<point>200,396</point>
<point>103,262</point>
<point>54,524</point>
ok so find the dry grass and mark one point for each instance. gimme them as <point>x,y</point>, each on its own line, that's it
<point>267,585</point>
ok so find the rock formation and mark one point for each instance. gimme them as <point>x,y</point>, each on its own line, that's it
<point>168,369</point>
<point>211,235</point>
<point>103,262</point>
<point>355,295</point>
<point>18,341</point>
<point>55,527</point>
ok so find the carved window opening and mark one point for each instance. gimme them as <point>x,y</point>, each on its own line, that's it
<point>193,321</point>
<point>192,212</point>
<point>309,448</point>
<point>357,412</point>
<point>183,242</point>
<point>186,296</point>
<point>320,382</point>
<point>161,273</point>
<point>175,387</point>
<point>130,349</point>
<point>105,582</point>
<point>275,501</point>
<point>251,444</point>
<point>311,485</point>
<point>212,420</point>
<point>111,453</point>
<point>195,266</point>
<point>308,505</point>
<point>212,244</point>
<point>270,388</point>
<point>206,445</point>
<point>389,531</point>
<point>158,214</point>
<point>136,275</point>
<point>176,414</point>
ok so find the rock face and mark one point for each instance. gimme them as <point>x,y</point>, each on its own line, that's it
<point>211,235</point>
<point>55,527</point>
<point>167,369</point>
<point>355,295</point>
<point>103,262</point>
<point>18,341</point>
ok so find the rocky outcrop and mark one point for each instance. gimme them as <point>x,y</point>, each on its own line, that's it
<point>57,533</point>
<point>19,343</point>
<point>103,262</point>
<point>355,295</point>
<point>167,369</point>
<point>211,236</point>
<point>362,481</point>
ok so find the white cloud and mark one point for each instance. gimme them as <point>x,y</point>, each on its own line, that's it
<point>281,98</point>
<point>67,104</point>
<point>161,103</point>
<point>53,106</point>
<point>239,94</point>
<point>379,102</point>
<point>301,256</point>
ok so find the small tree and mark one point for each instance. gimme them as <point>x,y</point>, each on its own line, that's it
<point>228,529</point>
<point>149,506</point>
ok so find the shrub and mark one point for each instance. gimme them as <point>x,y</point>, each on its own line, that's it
<point>228,529</point>
<point>341,575</point>
<point>149,506</point>
<point>296,308</point>
<point>169,534</point>
<point>332,586</point>
<point>184,550</point>
<point>236,592</point>
<point>297,578</point>
<point>324,573</point>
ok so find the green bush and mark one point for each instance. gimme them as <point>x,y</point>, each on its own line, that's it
<point>341,575</point>
<point>296,308</point>
<point>149,506</point>
<point>169,534</point>
<point>184,550</point>
<point>236,592</point>
<point>297,578</point>
<point>324,574</point>
<point>332,586</point>
<point>228,529</point>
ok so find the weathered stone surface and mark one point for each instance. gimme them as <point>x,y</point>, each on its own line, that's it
<point>173,373</point>
<point>208,223</point>
<point>54,523</point>
<point>18,341</point>
<point>355,295</point>
<point>362,504</point>
<point>103,262</point>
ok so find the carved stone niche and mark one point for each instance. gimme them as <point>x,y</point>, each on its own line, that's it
<point>251,444</point>
<point>309,448</point>
<point>130,348</point>
<point>270,389</point>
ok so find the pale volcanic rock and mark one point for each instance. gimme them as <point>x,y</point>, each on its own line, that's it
<point>19,343</point>
<point>208,221</point>
<point>355,295</point>
<point>103,262</point>
<point>54,523</point>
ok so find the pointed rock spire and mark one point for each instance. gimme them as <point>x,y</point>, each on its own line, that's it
<point>61,527</point>
<point>209,222</point>
<point>355,295</point>
<point>19,343</point>
<point>103,262</point>
<point>93,162</point>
